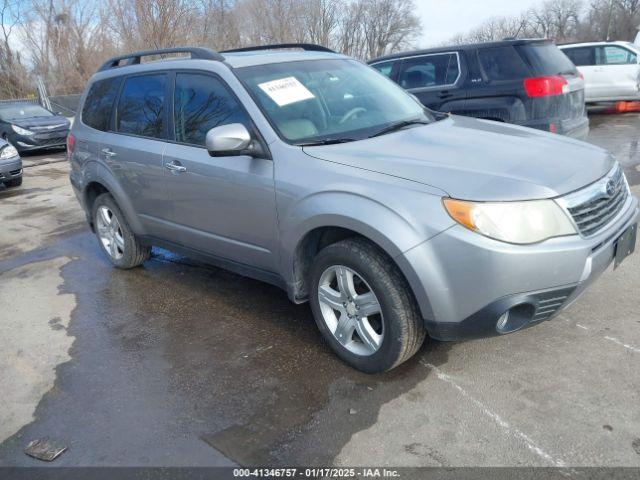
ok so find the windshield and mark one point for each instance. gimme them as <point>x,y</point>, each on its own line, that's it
<point>324,100</point>
<point>23,110</point>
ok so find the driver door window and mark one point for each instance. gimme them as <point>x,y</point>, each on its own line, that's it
<point>200,103</point>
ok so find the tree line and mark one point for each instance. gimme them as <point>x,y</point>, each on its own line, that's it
<point>65,41</point>
<point>563,21</point>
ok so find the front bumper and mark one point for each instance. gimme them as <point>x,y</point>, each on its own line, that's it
<point>10,169</point>
<point>39,140</point>
<point>464,281</point>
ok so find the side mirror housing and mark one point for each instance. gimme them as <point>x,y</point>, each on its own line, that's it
<point>229,140</point>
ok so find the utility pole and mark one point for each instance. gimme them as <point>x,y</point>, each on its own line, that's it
<point>609,21</point>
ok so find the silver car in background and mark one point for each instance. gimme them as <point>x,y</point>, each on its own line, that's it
<point>311,171</point>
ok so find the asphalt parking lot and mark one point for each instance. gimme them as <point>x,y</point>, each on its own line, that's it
<point>180,364</point>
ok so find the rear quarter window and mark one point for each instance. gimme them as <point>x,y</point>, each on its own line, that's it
<point>96,112</point>
<point>502,63</point>
<point>547,59</point>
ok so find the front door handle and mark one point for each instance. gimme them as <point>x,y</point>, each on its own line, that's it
<point>445,94</point>
<point>175,167</point>
<point>108,153</point>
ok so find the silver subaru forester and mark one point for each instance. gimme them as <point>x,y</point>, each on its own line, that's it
<point>309,170</point>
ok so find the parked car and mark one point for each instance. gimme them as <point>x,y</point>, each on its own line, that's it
<point>29,126</point>
<point>311,171</point>
<point>611,69</point>
<point>526,82</point>
<point>10,165</point>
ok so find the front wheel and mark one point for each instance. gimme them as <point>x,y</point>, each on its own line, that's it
<point>363,306</point>
<point>115,237</point>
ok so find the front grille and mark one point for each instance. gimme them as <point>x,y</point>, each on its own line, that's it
<point>51,141</point>
<point>549,303</point>
<point>599,203</point>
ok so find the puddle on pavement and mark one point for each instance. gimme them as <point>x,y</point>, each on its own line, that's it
<point>178,353</point>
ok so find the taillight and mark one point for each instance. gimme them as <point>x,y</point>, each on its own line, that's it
<point>546,86</point>
<point>71,143</point>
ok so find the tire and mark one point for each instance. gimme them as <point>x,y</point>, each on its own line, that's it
<point>117,240</point>
<point>16,182</point>
<point>393,335</point>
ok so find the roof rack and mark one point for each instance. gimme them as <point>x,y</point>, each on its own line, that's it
<point>280,46</point>
<point>134,58</point>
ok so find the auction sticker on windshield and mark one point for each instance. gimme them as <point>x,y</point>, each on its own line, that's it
<point>286,90</point>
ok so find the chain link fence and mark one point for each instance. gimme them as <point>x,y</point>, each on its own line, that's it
<point>66,105</point>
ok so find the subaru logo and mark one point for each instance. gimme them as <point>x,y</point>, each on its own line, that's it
<point>610,188</point>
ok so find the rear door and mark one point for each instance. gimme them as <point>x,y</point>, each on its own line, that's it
<point>133,149</point>
<point>435,78</point>
<point>224,206</point>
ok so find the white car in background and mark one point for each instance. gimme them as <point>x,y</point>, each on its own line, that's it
<point>611,70</point>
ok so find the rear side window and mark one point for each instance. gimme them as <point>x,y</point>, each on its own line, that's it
<point>614,55</point>
<point>547,59</point>
<point>97,108</point>
<point>384,68</point>
<point>202,102</point>
<point>141,106</point>
<point>582,56</point>
<point>502,63</point>
<point>429,71</point>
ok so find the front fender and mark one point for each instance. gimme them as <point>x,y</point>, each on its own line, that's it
<point>393,231</point>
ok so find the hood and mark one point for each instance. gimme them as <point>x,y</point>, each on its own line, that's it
<point>42,124</point>
<point>479,160</point>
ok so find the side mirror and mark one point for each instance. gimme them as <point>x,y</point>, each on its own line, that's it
<point>227,140</point>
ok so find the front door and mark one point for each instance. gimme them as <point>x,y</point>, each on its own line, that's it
<point>618,72</point>
<point>224,206</point>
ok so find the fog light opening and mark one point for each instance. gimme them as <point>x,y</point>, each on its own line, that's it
<point>502,321</point>
<point>515,318</point>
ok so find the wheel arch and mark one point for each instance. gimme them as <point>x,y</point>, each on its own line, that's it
<point>98,180</point>
<point>308,228</point>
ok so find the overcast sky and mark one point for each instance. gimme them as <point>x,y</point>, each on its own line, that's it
<point>442,19</point>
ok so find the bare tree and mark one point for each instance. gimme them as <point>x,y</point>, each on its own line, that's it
<point>13,75</point>
<point>66,41</point>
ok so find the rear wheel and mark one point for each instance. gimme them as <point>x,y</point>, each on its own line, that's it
<point>363,306</point>
<point>16,182</point>
<point>115,237</point>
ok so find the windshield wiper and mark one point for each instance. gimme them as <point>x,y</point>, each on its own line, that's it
<point>397,126</point>
<point>326,141</point>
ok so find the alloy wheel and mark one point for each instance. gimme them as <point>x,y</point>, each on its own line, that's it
<point>110,232</point>
<point>350,310</point>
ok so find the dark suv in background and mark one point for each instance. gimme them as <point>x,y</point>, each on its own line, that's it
<point>526,82</point>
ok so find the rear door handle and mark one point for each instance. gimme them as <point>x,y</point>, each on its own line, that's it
<point>107,152</point>
<point>445,95</point>
<point>175,167</point>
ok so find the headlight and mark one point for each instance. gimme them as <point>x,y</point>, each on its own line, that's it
<point>21,131</point>
<point>513,222</point>
<point>8,152</point>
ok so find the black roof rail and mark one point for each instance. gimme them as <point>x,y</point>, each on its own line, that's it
<point>280,46</point>
<point>134,58</point>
